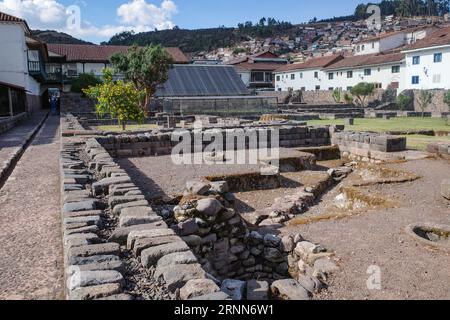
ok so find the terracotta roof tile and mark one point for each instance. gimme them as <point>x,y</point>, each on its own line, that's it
<point>438,38</point>
<point>95,53</point>
<point>260,66</point>
<point>9,18</point>
<point>366,60</point>
<point>321,62</point>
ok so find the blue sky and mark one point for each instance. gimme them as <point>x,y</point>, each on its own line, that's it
<point>102,18</point>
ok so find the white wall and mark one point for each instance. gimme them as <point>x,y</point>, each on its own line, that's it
<point>303,79</point>
<point>428,70</point>
<point>13,58</point>
<point>367,48</point>
<point>381,45</point>
<point>381,74</point>
<point>246,77</point>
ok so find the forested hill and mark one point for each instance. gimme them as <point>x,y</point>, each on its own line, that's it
<point>206,39</point>
<point>51,36</point>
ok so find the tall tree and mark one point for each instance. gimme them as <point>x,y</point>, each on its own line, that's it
<point>146,68</point>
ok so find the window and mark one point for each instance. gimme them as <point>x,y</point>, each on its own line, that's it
<point>373,45</point>
<point>317,88</point>
<point>278,78</point>
<point>416,60</point>
<point>349,88</point>
<point>378,85</point>
<point>415,80</point>
<point>437,57</point>
<point>330,76</point>
<point>395,69</point>
<point>349,74</point>
<point>293,76</point>
<point>303,89</point>
<point>330,88</point>
<point>301,75</point>
<point>367,72</point>
<point>363,47</point>
<point>316,74</point>
<point>436,78</point>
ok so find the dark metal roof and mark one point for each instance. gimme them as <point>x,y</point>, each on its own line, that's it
<point>203,80</point>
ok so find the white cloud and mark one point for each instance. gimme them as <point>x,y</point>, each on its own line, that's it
<point>137,15</point>
<point>146,15</point>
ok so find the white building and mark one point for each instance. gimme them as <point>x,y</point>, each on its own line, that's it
<point>384,70</point>
<point>393,40</point>
<point>22,59</point>
<point>428,62</point>
<point>305,76</point>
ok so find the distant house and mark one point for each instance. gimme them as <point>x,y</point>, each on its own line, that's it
<point>428,62</point>
<point>256,71</point>
<point>22,59</point>
<point>392,40</point>
<point>67,61</point>
<point>305,76</point>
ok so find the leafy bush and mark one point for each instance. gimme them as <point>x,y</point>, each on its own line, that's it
<point>84,81</point>
<point>403,101</point>
<point>425,99</point>
<point>348,98</point>
<point>337,95</point>
<point>121,99</point>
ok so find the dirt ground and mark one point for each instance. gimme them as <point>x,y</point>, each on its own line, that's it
<point>377,238</point>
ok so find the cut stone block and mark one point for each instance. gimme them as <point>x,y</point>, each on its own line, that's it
<point>150,257</point>
<point>120,235</point>
<point>93,278</point>
<point>95,292</point>
<point>142,244</point>
<point>136,235</point>
<point>198,287</point>
<point>176,276</point>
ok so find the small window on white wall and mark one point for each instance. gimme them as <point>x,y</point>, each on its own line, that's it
<point>437,78</point>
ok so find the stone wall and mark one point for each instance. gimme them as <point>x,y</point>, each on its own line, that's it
<point>10,122</point>
<point>151,144</point>
<point>76,103</point>
<point>437,104</point>
<point>367,145</point>
<point>440,149</point>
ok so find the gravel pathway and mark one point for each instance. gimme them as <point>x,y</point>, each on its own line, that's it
<point>31,265</point>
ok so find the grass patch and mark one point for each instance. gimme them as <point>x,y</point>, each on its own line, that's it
<point>132,127</point>
<point>394,124</point>
<point>419,142</point>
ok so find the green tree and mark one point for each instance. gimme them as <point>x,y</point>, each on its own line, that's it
<point>146,68</point>
<point>83,81</point>
<point>119,99</point>
<point>425,99</point>
<point>337,95</point>
<point>361,91</point>
<point>403,101</point>
<point>447,99</point>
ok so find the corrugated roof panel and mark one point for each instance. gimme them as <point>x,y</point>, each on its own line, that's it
<point>202,80</point>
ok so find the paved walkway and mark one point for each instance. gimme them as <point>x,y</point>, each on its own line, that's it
<point>31,265</point>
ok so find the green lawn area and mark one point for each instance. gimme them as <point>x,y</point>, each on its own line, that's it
<point>131,127</point>
<point>418,142</point>
<point>381,125</point>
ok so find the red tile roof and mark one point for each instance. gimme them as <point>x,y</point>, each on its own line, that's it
<point>9,18</point>
<point>437,38</point>
<point>321,62</point>
<point>366,60</point>
<point>247,66</point>
<point>95,53</point>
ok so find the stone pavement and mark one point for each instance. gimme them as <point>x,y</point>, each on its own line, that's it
<point>31,265</point>
<point>12,141</point>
